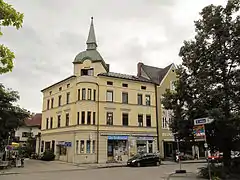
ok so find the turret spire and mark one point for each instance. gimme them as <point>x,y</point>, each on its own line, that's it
<point>91,41</point>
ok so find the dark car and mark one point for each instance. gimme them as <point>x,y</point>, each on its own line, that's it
<point>144,160</point>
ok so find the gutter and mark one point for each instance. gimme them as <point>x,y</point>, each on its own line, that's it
<point>98,116</point>
<point>156,99</point>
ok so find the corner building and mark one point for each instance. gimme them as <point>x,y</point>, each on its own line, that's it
<point>98,116</point>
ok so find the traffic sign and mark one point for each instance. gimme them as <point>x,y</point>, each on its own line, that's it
<point>202,121</point>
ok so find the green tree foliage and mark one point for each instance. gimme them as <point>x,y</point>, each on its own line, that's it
<point>11,116</point>
<point>209,78</point>
<point>8,17</point>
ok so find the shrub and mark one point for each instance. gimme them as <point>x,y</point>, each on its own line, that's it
<point>48,156</point>
<point>216,172</point>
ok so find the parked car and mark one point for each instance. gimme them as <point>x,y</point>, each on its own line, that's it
<point>145,159</point>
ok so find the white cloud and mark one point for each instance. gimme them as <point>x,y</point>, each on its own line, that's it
<point>54,32</point>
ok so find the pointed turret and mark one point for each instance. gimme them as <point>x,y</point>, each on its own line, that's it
<point>91,41</point>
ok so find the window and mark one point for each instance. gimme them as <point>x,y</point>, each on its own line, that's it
<point>78,94</point>
<point>42,146</point>
<point>26,134</point>
<point>88,150</point>
<point>59,121</point>
<point>94,118</point>
<point>68,85</point>
<point>124,85</point>
<point>60,88</point>
<point>53,146</point>
<point>165,123</point>
<point>51,123</point>
<point>94,94</point>
<point>89,94</point>
<point>110,96</point>
<point>140,120</point>
<point>82,146</point>
<point>50,93</point>
<point>68,97</point>
<point>88,117</point>
<point>47,145</point>
<point>48,102</point>
<point>143,87</point>
<point>125,119</point>
<point>148,100</point>
<point>67,119</point>
<point>78,118</point>
<point>77,146</point>
<point>93,146</point>
<point>83,94</point>
<point>47,121</point>
<point>109,83</point>
<point>139,99</point>
<point>59,100</point>
<point>52,101</point>
<point>124,98</point>
<point>87,72</point>
<point>109,118</point>
<point>148,121</point>
<point>83,117</point>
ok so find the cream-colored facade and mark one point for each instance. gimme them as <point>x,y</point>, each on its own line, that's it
<point>96,116</point>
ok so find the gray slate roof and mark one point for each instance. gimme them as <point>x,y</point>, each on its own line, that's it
<point>156,74</point>
<point>125,76</point>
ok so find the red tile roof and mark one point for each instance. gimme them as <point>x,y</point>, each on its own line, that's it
<point>35,120</point>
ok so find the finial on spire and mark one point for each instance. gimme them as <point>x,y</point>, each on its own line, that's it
<point>91,41</point>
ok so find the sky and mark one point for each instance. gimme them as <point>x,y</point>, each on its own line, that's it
<point>127,32</point>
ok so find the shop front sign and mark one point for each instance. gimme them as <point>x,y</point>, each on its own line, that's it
<point>117,137</point>
<point>145,138</point>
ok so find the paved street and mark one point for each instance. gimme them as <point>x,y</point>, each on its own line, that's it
<point>75,173</point>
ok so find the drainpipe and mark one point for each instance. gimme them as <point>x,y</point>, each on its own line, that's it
<point>98,125</point>
<point>157,120</point>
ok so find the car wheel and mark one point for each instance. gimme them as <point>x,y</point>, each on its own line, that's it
<point>157,163</point>
<point>138,164</point>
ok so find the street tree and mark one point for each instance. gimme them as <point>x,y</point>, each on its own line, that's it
<point>209,78</point>
<point>8,17</point>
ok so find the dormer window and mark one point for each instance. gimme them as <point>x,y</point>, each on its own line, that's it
<point>87,72</point>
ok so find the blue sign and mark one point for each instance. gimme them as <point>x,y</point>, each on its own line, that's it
<point>68,144</point>
<point>117,137</point>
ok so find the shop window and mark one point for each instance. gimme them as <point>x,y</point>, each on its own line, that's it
<point>94,94</point>
<point>47,146</point>
<point>88,117</point>
<point>68,98</point>
<point>139,99</point>
<point>88,147</point>
<point>78,118</point>
<point>67,119</point>
<point>42,146</point>
<point>125,119</point>
<point>82,146</point>
<point>83,117</point>
<point>87,72</point>
<point>93,146</point>
<point>94,118</point>
<point>148,121</point>
<point>59,121</point>
<point>59,100</point>
<point>79,91</point>
<point>148,100</point>
<point>83,94</point>
<point>52,102</point>
<point>62,150</point>
<point>110,96</point>
<point>77,146</point>
<point>48,103</point>
<point>140,120</point>
<point>109,118</point>
<point>47,122</point>
<point>51,122</point>
<point>53,145</point>
<point>125,98</point>
<point>89,94</point>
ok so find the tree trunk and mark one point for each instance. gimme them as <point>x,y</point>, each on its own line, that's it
<point>226,156</point>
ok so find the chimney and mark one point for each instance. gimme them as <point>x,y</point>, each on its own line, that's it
<point>139,67</point>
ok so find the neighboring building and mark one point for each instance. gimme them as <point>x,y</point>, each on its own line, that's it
<point>96,115</point>
<point>31,128</point>
<point>164,78</point>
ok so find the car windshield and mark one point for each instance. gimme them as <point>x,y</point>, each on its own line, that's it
<point>136,156</point>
